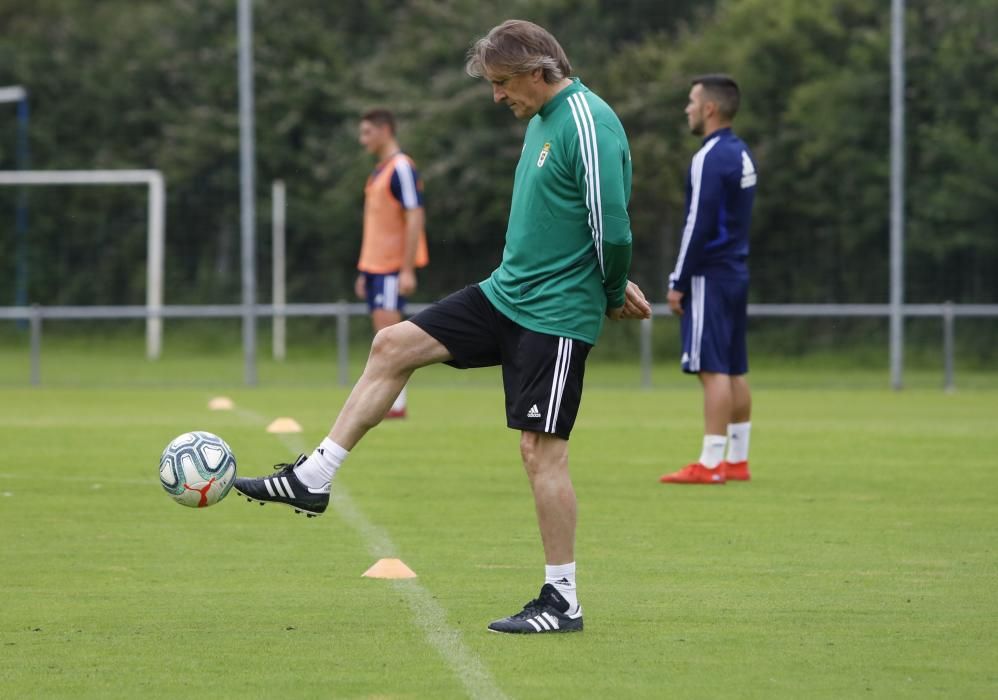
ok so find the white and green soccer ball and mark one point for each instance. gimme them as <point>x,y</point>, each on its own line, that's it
<point>197,469</point>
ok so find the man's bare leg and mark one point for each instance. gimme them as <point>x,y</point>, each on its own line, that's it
<point>717,410</point>
<point>717,402</point>
<point>741,400</point>
<point>381,319</point>
<point>739,429</point>
<point>397,351</point>
<point>545,457</point>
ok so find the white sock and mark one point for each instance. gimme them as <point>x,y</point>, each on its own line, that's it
<point>738,441</point>
<point>399,404</point>
<point>562,577</point>
<point>713,450</point>
<point>319,469</point>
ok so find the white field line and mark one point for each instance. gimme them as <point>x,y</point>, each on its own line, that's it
<point>82,479</point>
<point>428,615</point>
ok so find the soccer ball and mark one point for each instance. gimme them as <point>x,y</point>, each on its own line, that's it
<point>197,469</point>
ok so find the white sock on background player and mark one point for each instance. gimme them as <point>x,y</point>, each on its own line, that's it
<point>562,577</point>
<point>400,402</point>
<point>738,441</point>
<point>319,469</point>
<point>713,450</point>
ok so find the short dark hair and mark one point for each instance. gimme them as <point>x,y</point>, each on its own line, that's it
<point>380,117</point>
<point>722,90</point>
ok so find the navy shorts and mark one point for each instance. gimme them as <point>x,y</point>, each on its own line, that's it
<point>383,292</point>
<point>714,325</point>
<point>541,374</point>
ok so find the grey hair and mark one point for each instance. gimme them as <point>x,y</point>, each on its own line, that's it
<point>518,46</point>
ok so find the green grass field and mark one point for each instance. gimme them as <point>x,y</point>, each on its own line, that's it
<point>862,561</point>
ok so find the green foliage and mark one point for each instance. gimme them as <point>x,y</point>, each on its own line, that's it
<point>953,174</point>
<point>815,78</point>
<point>153,84</point>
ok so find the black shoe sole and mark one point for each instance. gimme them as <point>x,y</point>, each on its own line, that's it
<point>297,509</point>
<point>527,633</point>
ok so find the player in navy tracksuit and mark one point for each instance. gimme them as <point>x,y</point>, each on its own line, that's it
<point>709,287</point>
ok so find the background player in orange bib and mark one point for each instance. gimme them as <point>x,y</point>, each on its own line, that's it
<point>394,242</point>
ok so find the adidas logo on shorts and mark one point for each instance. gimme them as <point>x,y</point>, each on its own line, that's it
<point>533,412</point>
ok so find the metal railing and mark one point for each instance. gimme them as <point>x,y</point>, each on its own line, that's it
<point>342,311</point>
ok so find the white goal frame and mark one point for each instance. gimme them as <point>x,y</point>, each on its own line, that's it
<point>156,228</point>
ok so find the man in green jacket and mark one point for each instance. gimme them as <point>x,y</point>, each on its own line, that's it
<point>564,268</point>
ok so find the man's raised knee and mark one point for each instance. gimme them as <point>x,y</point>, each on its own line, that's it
<point>387,346</point>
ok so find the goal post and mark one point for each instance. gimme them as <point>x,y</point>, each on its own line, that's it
<point>156,228</point>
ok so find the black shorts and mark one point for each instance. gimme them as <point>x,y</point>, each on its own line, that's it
<point>541,374</point>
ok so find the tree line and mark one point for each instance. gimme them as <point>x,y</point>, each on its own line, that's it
<point>142,84</point>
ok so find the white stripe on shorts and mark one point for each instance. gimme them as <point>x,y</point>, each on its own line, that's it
<point>391,292</point>
<point>561,366</point>
<point>698,286</point>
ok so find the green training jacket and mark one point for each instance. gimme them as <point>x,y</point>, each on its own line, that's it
<point>568,242</point>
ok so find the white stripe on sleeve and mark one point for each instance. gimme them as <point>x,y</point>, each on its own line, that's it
<point>410,200</point>
<point>589,152</point>
<point>598,196</point>
<point>696,176</point>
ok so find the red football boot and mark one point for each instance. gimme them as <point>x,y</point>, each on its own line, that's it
<point>695,473</point>
<point>736,471</point>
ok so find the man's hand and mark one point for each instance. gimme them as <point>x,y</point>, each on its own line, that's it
<point>407,282</point>
<point>675,300</point>
<point>360,286</point>
<point>635,305</point>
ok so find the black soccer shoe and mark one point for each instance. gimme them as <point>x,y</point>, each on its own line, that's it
<point>285,488</point>
<point>547,613</point>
